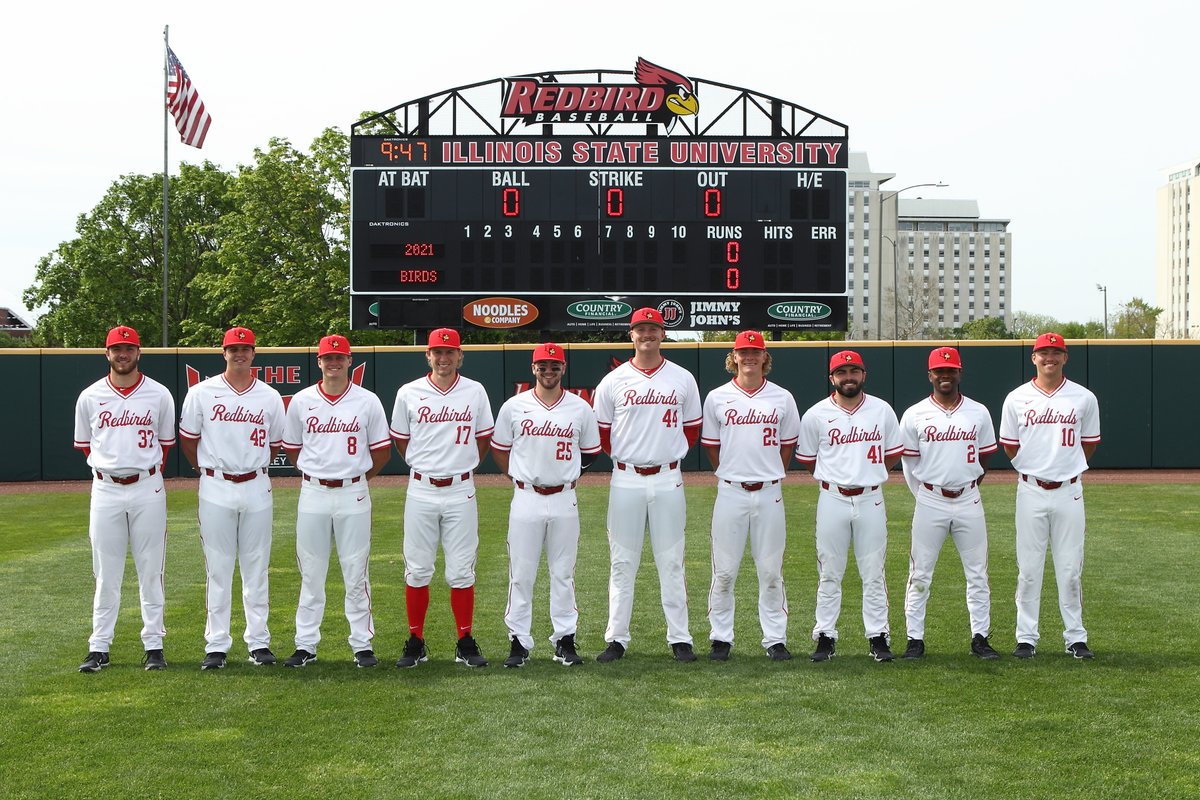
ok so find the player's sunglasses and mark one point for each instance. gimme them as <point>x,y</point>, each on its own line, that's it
<point>549,367</point>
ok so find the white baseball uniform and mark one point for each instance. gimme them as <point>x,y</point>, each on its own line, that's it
<point>645,412</point>
<point>1050,429</point>
<point>125,431</point>
<point>236,434</point>
<point>544,445</point>
<point>442,429</point>
<point>941,460</point>
<point>749,428</point>
<point>849,449</point>
<point>335,436</point>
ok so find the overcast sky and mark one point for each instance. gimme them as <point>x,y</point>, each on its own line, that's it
<point>1060,116</point>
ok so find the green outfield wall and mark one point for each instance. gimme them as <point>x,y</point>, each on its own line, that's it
<point>1140,385</point>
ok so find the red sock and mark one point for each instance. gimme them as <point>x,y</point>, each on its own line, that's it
<point>462,603</point>
<point>416,600</point>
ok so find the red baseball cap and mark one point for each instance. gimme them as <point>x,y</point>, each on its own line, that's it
<point>1050,340</point>
<point>845,358</point>
<point>236,336</point>
<point>751,340</point>
<point>548,352</point>
<point>444,337</point>
<point>122,334</point>
<point>647,315</point>
<point>944,357</point>
<point>333,344</point>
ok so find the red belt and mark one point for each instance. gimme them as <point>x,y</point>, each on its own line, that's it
<point>442,483</point>
<point>848,491</point>
<point>240,478</point>
<point>545,489</point>
<point>648,470</point>
<point>335,484</point>
<point>951,493</point>
<point>1048,484</point>
<point>753,486</point>
<point>125,480</point>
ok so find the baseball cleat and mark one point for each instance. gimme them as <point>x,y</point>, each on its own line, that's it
<point>1080,650</point>
<point>1024,650</point>
<point>683,652</point>
<point>720,650</point>
<point>154,660</point>
<point>467,652</point>
<point>981,648</point>
<point>517,655</point>
<point>916,649</point>
<point>779,652</point>
<point>414,653</point>
<point>299,659</point>
<point>94,662</point>
<point>879,648</point>
<point>262,657</point>
<point>613,652</point>
<point>565,653</point>
<point>826,648</point>
<point>365,658</point>
<point>213,661</point>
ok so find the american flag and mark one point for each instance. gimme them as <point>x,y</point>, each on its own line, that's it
<point>185,104</point>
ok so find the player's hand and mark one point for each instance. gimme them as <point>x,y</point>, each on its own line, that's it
<point>979,480</point>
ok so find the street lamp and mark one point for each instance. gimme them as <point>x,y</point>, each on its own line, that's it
<point>895,269</point>
<point>1104,289</point>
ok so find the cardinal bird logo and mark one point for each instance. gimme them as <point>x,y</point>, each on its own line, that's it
<point>945,356</point>
<point>682,101</point>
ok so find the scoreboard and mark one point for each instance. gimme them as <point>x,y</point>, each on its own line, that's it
<point>566,232</point>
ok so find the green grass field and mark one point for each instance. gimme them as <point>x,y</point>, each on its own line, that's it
<point>1123,725</point>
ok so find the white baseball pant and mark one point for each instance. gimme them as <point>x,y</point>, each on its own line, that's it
<point>1054,517</point>
<point>449,515</point>
<point>536,521</point>
<point>738,514</point>
<point>841,520</point>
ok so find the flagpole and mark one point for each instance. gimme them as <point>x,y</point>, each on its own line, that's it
<point>166,70</point>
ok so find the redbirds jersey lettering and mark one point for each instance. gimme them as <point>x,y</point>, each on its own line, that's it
<point>1050,417</point>
<point>855,435</point>
<point>239,414</point>
<point>333,425</point>
<point>425,414</point>
<point>651,398</point>
<point>127,418</point>
<point>951,434</point>
<point>752,417</point>
<point>547,428</point>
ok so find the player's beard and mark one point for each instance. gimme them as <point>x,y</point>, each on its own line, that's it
<point>849,389</point>
<point>124,367</point>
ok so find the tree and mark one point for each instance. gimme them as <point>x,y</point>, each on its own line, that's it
<point>917,306</point>
<point>1027,325</point>
<point>1136,319</point>
<point>985,328</point>
<point>1079,330</point>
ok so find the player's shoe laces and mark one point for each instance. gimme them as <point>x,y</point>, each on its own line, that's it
<point>467,652</point>
<point>916,649</point>
<point>94,662</point>
<point>1080,650</point>
<point>414,653</point>
<point>825,648</point>
<point>683,652</point>
<point>213,660</point>
<point>779,652</point>
<point>299,659</point>
<point>613,652</point>
<point>565,653</point>
<point>262,657</point>
<point>365,658</point>
<point>1024,650</point>
<point>154,660</point>
<point>879,648</point>
<point>720,650</point>
<point>982,648</point>
<point>517,655</point>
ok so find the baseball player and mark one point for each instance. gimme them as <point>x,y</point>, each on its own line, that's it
<point>125,424</point>
<point>335,432</point>
<point>442,423</point>
<point>749,432</point>
<point>947,440</point>
<point>849,441</point>
<point>545,437</point>
<point>649,414</point>
<point>230,428</point>
<point>1049,428</point>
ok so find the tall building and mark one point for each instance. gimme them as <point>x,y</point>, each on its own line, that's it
<point>1176,254</point>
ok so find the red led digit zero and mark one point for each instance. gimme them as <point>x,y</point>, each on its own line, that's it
<point>733,278</point>
<point>510,202</point>
<point>712,202</point>
<point>733,252</point>
<point>615,202</point>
